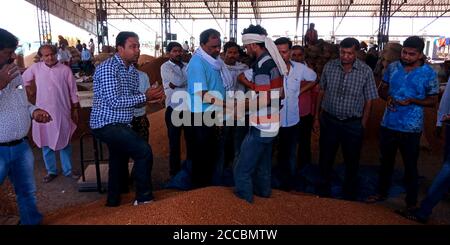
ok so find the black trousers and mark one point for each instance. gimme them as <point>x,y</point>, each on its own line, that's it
<point>204,153</point>
<point>304,140</point>
<point>287,162</point>
<point>409,146</point>
<point>349,135</point>
<point>174,134</point>
<point>124,143</point>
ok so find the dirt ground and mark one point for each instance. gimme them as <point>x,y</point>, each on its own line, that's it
<point>62,194</point>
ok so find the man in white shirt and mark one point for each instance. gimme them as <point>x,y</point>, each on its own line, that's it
<point>64,55</point>
<point>16,113</point>
<point>289,114</point>
<point>174,78</point>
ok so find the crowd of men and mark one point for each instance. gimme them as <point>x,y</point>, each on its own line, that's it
<point>234,108</point>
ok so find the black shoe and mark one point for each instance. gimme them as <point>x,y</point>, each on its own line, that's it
<point>112,202</point>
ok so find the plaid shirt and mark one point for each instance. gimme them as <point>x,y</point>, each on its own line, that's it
<point>346,94</point>
<point>115,93</point>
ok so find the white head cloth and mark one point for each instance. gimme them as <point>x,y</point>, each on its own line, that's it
<point>250,38</point>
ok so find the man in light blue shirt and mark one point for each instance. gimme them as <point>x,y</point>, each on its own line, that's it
<point>205,87</point>
<point>140,121</point>
<point>86,60</point>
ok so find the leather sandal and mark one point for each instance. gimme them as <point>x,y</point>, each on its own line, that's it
<point>411,215</point>
<point>375,198</point>
<point>49,177</point>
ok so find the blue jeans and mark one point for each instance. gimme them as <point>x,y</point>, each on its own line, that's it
<point>17,163</point>
<point>50,160</point>
<point>441,183</point>
<point>124,143</point>
<point>253,168</point>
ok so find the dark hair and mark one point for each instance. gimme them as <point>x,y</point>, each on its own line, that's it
<point>172,45</point>
<point>206,34</point>
<point>123,36</point>
<point>255,30</point>
<point>49,46</point>
<point>7,40</point>
<point>350,42</point>
<point>414,42</point>
<point>230,44</point>
<point>284,40</point>
<point>298,47</point>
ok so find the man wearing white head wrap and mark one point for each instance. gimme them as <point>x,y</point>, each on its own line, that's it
<point>252,173</point>
<point>205,87</point>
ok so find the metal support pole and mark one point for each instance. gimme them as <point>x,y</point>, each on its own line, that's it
<point>102,24</point>
<point>233,19</point>
<point>43,20</point>
<point>305,18</point>
<point>383,30</point>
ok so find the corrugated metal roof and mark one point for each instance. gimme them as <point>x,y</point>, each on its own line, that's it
<point>266,9</point>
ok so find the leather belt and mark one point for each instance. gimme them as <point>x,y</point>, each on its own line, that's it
<point>349,119</point>
<point>13,143</point>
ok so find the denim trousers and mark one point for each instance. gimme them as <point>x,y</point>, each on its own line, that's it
<point>252,173</point>
<point>441,182</point>
<point>124,143</point>
<point>17,163</point>
<point>65,155</point>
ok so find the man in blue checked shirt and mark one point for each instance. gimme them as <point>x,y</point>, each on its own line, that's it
<point>116,95</point>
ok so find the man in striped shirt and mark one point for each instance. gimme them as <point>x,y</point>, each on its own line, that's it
<point>116,94</point>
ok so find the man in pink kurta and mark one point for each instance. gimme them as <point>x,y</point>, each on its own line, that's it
<point>56,92</point>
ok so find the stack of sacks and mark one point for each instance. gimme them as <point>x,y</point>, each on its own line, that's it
<point>318,55</point>
<point>76,56</point>
<point>144,59</point>
<point>390,53</point>
<point>101,57</point>
<point>153,69</point>
<point>31,59</point>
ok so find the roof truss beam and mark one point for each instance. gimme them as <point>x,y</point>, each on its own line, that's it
<point>256,11</point>
<point>215,10</point>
